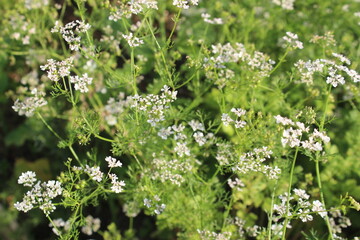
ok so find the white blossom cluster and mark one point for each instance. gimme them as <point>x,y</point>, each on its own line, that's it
<point>172,170</point>
<point>336,73</point>
<point>71,32</point>
<point>294,135</point>
<point>254,162</point>
<point>199,134</point>
<point>154,205</point>
<point>337,221</point>
<point>132,40</point>
<point>29,104</point>
<point>208,235</point>
<point>35,4</point>
<point>292,40</point>
<point>238,123</point>
<point>223,54</point>
<point>21,29</point>
<point>299,207</point>
<point>132,7</point>
<point>81,83</point>
<point>40,195</point>
<point>251,231</point>
<point>57,69</point>
<point>207,19</point>
<point>185,4</point>
<point>97,175</point>
<point>154,105</point>
<point>59,226</point>
<point>111,39</point>
<point>285,4</point>
<point>225,153</point>
<point>113,108</point>
<point>91,225</point>
<point>236,184</point>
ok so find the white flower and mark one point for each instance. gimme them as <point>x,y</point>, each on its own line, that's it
<point>319,208</point>
<point>117,187</point>
<point>94,173</point>
<point>132,40</point>
<point>226,119</point>
<point>301,193</point>
<point>81,82</point>
<point>292,40</point>
<point>91,225</point>
<point>112,162</point>
<point>27,178</point>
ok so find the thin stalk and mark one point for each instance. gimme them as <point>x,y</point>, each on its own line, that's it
<point>281,60</point>
<point>289,192</point>
<point>317,163</point>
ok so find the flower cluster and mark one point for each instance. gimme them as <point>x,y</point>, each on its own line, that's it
<point>97,175</point>
<point>253,162</point>
<point>185,4</point>
<point>59,226</point>
<point>171,170</point>
<point>299,206</point>
<point>81,82</point>
<point>132,40</point>
<point>113,108</point>
<point>294,135</point>
<point>35,4</point>
<point>208,235</point>
<point>336,73</point>
<point>41,194</point>
<point>154,105</point>
<point>207,19</point>
<point>20,29</point>
<point>91,225</point>
<point>57,69</point>
<point>285,4</point>
<point>235,184</point>
<point>154,205</point>
<point>238,123</point>
<point>71,32</point>
<point>222,54</point>
<point>28,105</point>
<point>199,133</point>
<point>292,41</point>
<point>131,7</point>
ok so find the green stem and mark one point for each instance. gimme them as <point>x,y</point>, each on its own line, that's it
<point>281,60</point>
<point>317,163</point>
<point>289,192</point>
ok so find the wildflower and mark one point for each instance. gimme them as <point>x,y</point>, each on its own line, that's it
<point>237,184</point>
<point>71,32</point>
<point>226,119</point>
<point>30,104</point>
<point>318,207</point>
<point>207,19</point>
<point>181,149</point>
<point>132,40</point>
<point>91,225</point>
<point>292,40</point>
<point>81,82</point>
<point>301,193</point>
<point>27,178</point>
<point>94,173</point>
<point>112,162</point>
<point>285,4</point>
<point>185,4</point>
<point>57,70</point>
<point>159,208</point>
<point>117,186</point>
